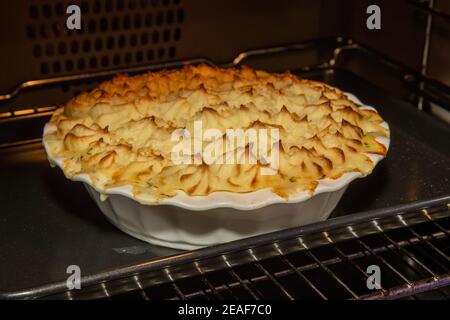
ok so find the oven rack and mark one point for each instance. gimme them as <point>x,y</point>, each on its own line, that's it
<point>410,244</point>
<point>429,9</point>
<point>422,86</point>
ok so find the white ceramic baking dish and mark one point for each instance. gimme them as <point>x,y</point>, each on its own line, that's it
<point>190,222</point>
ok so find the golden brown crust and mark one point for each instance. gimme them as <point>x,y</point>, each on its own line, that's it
<point>120,133</point>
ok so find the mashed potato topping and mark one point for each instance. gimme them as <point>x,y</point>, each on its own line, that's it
<point>121,132</point>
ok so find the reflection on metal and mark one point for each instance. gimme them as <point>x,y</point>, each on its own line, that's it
<point>426,49</point>
<point>95,75</point>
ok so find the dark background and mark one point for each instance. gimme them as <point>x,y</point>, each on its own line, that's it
<point>35,43</point>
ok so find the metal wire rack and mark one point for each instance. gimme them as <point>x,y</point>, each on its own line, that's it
<point>411,248</point>
<point>431,89</point>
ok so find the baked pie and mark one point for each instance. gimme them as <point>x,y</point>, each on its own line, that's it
<point>122,133</point>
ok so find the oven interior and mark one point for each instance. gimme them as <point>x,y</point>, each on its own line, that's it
<point>398,218</point>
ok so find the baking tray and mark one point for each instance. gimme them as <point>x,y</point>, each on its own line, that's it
<point>48,222</point>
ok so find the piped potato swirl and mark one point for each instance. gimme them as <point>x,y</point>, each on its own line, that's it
<point>120,133</point>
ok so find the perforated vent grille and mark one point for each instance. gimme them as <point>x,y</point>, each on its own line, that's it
<point>113,34</point>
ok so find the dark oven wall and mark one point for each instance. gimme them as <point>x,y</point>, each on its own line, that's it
<point>36,44</point>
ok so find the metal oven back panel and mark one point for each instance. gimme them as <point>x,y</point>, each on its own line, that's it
<point>36,44</point>
<point>123,33</point>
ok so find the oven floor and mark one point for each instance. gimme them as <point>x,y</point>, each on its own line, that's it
<point>48,222</point>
